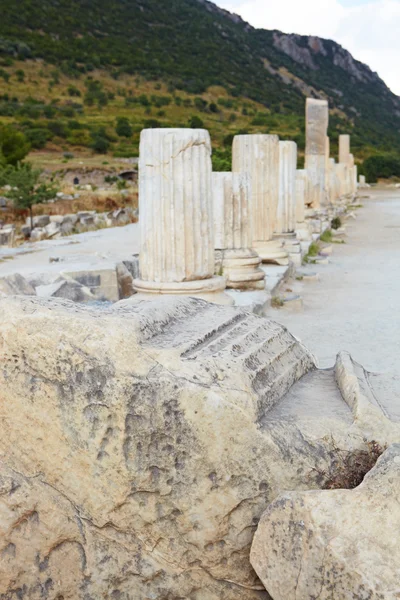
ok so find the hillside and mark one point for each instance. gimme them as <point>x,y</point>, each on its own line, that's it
<point>100,59</point>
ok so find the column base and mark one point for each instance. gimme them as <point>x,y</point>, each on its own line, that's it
<point>292,246</point>
<point>272,252</point>
<point>211,289</point>
<point>303,232</point>
<point>241,267</point>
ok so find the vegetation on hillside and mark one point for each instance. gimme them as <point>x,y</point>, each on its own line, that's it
<point>91,74</point>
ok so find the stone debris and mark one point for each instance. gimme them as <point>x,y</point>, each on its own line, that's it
<point>334,544</point>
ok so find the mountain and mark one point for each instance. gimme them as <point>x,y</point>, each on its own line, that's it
<point>192,45</point>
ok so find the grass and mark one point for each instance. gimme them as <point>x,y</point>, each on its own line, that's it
<point>326,236</point>
<point>313,250</point>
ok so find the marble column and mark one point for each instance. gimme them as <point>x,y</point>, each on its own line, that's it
<point>352,176</point>
<point>303,231</point>
<point>233,233</point>
<point>176,219</point>
<point>344,149</point>
<point>317,118</point>
<point>327,169</point>
<point>334,185</point>
<point>342,175</point>
<point>258,155</point>
<point>362,181</point>
<point>286,211</point>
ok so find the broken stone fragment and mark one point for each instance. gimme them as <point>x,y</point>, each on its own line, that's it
<point>15,285</point>
<point>340,544</point>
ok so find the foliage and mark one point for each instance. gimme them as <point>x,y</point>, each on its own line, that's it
<point>123,127</point>
<point>381,166</point>
<point>26,188</point>
<point>13,146</point>
<point>195,122</point>
<point>193,47</point>
<point>326,236</point>
<point>336,223</point>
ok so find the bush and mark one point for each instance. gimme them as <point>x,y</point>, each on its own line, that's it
<point>100,144</point>
<point>123,127</point>
<point>38,137</point>
<point>13,146</point>
<point>195,122</point>
<point>381,166</point>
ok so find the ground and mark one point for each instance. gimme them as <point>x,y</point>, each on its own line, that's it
<point>355,305</point>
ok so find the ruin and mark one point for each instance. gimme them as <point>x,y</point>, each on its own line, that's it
<point>317,118</point>
<point>258,155</point>
<point>176,215</point>
<point>233,232</point>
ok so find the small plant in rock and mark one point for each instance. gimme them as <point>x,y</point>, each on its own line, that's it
<point>313,250</point>
<point>336,223</point>
<point>326,237</point>
<point>277,302</point>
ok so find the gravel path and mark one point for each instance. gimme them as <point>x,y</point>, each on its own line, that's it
<point>356,304</point>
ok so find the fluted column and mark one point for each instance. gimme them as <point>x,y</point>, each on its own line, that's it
<point>341,174</point>
<point>286,213</point>
<point>303,231</point>
<point>258,155</point>
<point>334,186</point>
<point>327,169</point>
<point>233,232</point>
<point>344,149</point>
<point>176,219</point>
<point>317,118</point>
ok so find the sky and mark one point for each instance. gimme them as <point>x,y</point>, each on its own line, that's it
<point>369,29</point>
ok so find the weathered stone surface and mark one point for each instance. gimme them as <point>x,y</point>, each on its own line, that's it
<point>334,544</point>
<point>67,289</point>
<point>147,441</point>
<point>102,283</point>
<point>15,285</point>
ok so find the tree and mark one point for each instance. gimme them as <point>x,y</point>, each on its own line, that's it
<point>123,127</point>
<point>13,146</point>
<point>195,122</point>
<point>26,189</point>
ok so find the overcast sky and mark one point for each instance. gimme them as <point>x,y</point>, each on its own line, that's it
<point>369,29</point>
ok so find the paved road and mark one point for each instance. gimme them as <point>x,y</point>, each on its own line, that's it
<point>356,304</point>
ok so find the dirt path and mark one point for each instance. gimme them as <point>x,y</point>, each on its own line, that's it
<point>356,304</point>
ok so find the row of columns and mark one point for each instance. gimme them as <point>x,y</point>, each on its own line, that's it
<point>251,215</point>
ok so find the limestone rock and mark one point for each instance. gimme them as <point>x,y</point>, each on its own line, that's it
<point>334,544</point>
<point>141,443</point>
<point>14,285</point>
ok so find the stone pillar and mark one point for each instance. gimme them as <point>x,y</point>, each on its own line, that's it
<point>341,174</point>
<point>233,234</point>
<point>344,149</point>
<point>352,176</point>
<point>334,186</point>
<point>317,118</point>
<point>176,220</point>
<point>258,155</point>
<point>327,169</point>
<point>303,231</point>
<point>286,212</point>
<point>362,181</point>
